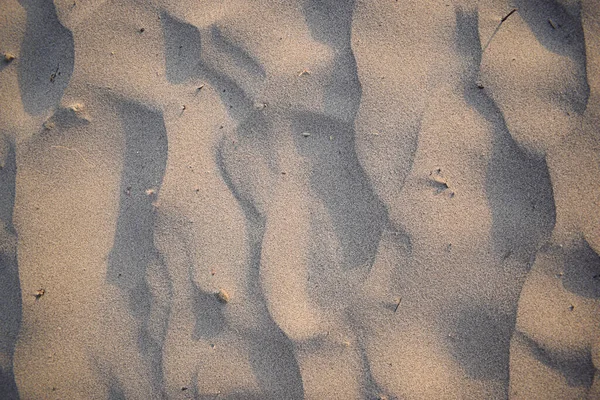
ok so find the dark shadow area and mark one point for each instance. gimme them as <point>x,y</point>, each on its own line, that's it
<point>185,61</point>
<point>337,177</point>
<point>209,315</point>
<point>358,215</point>
<point>144,163</point>
<point>517,185</point>
<point>582,272</point>
<point>480,342</point>
<point>520,199</point>
<point>237,103</point>
<point>4,63</point>
<point>182,49</point>
<point>8,177</point>
<point>240,57</point>
<point>8,386</point>
<point>67,117</point>
<point>154,330</point>
<point>560,31</point>
<point>275,367</point>
<point>578,370</point>
<point>10,288</point>
<point>115,392</point>
<point>133,252</point>
<point>47,58</point>
<point>253,217</point>
<point>273,361</point>
<point>370,388</point>
<point>330,22</point>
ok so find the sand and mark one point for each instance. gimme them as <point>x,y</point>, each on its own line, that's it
<point>316,199</point>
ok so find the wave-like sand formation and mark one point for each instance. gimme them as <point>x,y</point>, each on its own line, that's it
<point>316,199</point>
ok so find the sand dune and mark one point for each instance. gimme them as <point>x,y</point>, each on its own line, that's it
<point>314,199</point>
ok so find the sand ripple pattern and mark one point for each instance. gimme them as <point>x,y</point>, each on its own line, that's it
<point>314,199</point>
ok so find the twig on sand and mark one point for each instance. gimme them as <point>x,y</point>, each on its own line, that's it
<point>507,15</point>
<point>498,28</point>
<point>55,74</point>
<point>398,304</point>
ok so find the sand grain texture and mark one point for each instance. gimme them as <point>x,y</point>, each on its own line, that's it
<point>314,199</point>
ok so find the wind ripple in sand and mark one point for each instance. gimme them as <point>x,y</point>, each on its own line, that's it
<point>394,210</point>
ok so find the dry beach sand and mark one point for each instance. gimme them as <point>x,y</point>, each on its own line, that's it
<point>300,199</point>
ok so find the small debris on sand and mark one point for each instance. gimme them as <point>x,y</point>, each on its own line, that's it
<point>8,57</point>
<point>438,179</point>
<point>222,296</point>
<point>260,106</point>
<point>306,134</point>
<point>439,182</point>
<point>39,293</point>
<point>77,108</point>
<point>304,72</point>
<point>49,125</point>
<point>54,74</point>
<point>398,301</point>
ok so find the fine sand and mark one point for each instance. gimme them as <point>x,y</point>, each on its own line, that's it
<point>300,199</point>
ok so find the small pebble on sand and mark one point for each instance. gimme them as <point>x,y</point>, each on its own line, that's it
<point>222,296</point>
<point>77,107</point>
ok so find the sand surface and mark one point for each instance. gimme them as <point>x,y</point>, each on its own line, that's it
<point>300,199</point>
